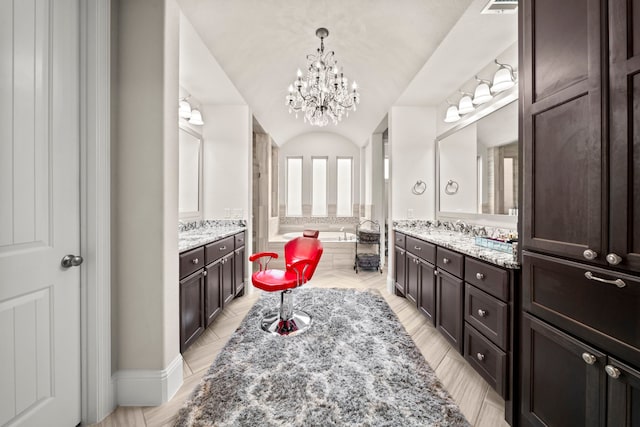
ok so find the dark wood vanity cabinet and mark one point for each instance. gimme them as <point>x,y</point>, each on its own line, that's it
<point>580,121</point>
<point>472,304</point>
<point>449,293</point>
<point>580,97</point>
<point>192,319</point>
<point>400,264</point>
<point>239,265</point>
<point>210,277</point>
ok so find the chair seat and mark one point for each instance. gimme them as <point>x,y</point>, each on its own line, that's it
<point>274,280</point>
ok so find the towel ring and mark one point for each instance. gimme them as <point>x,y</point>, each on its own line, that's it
<point>451,188</point>
<point>419,187</point>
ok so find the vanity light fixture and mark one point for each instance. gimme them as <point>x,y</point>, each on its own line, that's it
<point>465,105</point>
<point>452,114</point>
<point>184,108</point>
<point>504,78</point>
<point>482,93</point>
<point>196,117</point>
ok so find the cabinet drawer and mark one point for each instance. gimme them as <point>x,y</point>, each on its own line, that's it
<point>487,314</point>
<point>450,261</point>
<point>239,240</point>
<point>487,359</point>
<point>489,278</point>
<point>191,261</point>
<point>217,250</point>
<point>598,312</point>
<point>422,249</point>
<point>399,239</point>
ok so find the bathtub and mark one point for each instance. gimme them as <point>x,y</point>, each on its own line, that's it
<point>325,236</point>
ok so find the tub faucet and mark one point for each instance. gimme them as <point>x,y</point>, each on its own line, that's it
<point>344,233</point>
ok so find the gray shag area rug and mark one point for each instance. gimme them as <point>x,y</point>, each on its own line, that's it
<point>355,366</point>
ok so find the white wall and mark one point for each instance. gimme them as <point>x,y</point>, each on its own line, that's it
<point>320,144</point>
<point>227,134</point>
<point>145,187</point>
<point>458,162</point>
<point>412,131</point>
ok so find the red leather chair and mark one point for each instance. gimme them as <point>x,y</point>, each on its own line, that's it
<point>301,255</point>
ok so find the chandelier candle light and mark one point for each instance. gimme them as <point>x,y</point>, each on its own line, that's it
<point>323,93</point>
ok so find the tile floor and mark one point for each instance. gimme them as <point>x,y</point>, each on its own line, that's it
<point>482,406</point>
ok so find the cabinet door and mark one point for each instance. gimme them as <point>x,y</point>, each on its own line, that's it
<point>562,129</point>
<point>413,277</point>
<point>227,272</point>
<point>624,150</point>
<point>563,379</point>
<point>427,290</point>
<point>239,264</point>
<point>449,308</point>
<point>623,409</point>
<point>399,256</point>
<point>213,291</point>
<point>192,319</point>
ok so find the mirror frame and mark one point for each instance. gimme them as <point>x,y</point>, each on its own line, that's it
<point>500,100</point>
<point>197,215</point>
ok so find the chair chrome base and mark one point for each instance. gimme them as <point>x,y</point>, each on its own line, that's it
<point>298,322</point>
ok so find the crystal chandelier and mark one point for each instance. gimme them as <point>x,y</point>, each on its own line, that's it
<point>323,93</point>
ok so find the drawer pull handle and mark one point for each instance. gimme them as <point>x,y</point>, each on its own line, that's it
<point>590,254</point>
<point>223,248</point>
<point>618,282</point>
<point>417,248</point>
<point>480,356</point>
<point>479,276</point>
<point>204,273</point>
<point>612,371</point>
<point>195,261</point>
<point>589,359</point>
<point>436,272</point>
<point>482,313</point>
<point>446,260</point>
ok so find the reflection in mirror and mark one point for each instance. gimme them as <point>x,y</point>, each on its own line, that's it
<point>189,173</point>
<point>481,161</point>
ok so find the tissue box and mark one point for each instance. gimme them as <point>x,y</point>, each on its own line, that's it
<point>494,244</point>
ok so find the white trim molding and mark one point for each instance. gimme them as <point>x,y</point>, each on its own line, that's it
<point>95,200</point>
<point>138,387</point>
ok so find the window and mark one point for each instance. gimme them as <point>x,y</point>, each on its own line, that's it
<point>343,178</point>
<point>319,186</point>
<point>294,186</point>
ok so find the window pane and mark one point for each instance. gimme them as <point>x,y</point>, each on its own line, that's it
<point>294,186</point>
<point>319,190</point>
<point>343,202</point>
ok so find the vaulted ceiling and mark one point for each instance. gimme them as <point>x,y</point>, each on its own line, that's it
<point>382,44</point>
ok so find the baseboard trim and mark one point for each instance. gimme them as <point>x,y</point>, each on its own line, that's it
<point>138,387</point>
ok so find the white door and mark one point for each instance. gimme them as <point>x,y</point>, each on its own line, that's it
<point>39,213</point>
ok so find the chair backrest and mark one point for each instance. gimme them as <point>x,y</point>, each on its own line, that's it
<point>303,248</point>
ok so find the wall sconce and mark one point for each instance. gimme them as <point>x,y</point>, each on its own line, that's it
<point>196,117</point>
<point>482,93</point>
<point>503,79</point>
<point>184,108</point>
<point>465,105</point>
<point>452,114</point>
<point>185,111</point>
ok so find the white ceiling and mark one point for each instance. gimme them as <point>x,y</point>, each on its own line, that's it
<point>391,48</point>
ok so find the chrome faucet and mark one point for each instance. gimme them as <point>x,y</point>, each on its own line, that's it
<point>344,233</point>
<point>461,226</point>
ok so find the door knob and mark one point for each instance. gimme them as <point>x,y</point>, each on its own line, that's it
<point>612,371</point>
<point>613,259</point>
<point>71,261</point>
<point>589,358</point>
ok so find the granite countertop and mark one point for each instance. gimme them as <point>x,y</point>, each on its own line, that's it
<point>190,239</point>
<point>460,242</point>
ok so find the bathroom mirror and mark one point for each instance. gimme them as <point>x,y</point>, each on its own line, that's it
<point>189,174</point>
<point>478,165</point>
